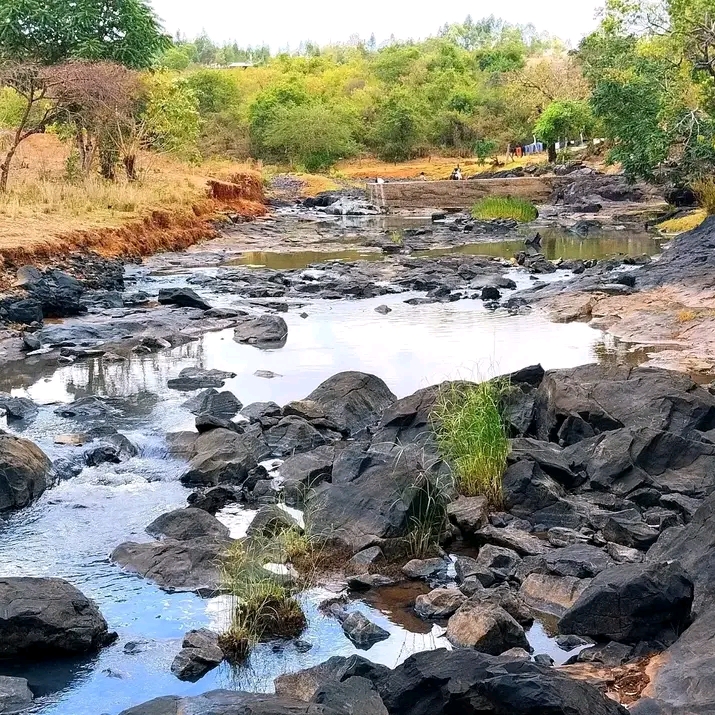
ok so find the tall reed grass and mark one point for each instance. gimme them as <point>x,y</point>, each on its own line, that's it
<point>472,438</point>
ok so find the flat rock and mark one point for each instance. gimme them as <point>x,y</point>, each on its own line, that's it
<point>186,524</point>
<point>263,331</point>
<point>485,627</point>
<point>193,378</point>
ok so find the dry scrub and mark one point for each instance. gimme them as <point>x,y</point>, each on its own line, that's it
<point>171,207</point>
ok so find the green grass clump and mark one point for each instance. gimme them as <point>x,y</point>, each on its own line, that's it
<point>261,606</point>
<point>505,207</point>
<point>472,438</point>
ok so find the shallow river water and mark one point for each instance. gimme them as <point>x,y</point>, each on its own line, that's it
<point>71,530</point>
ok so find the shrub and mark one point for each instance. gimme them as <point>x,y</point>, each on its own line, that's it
<point>427,520</point>
<point>705,191</point>
<point>472,438</point>
<point>505,207</point>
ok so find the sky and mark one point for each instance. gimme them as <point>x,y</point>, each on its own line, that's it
<point>284,23</point>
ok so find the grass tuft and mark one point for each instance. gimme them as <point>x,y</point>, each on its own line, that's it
<point>682,224</point>
<point>705,191</point>
<point>495,207</point>
<point>472,438</point>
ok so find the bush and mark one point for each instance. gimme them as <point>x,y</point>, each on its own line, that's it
<point>705,191</point>
<point>398,127</point>
<point>472,438</point>
<point>313,136</point>
<point>505,207</point>
<point>215,91</point>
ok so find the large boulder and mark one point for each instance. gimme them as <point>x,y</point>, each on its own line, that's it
<point>192,565</point>
<point>485,627</point>
<point>222,405</point>
<point>373,496</point>
<point>25,472</point>
<point>439,603</point>
<point>632,603</point>
<point>587,400</point>
<point>186,524</point>
<point>463,681</point>
<point>551,594</point>
<point>354,696</point>
<point>352,400</point>
<point>222,456</point>
<point>229,702</point>
<point>48,617</point>
<point>263,331</point>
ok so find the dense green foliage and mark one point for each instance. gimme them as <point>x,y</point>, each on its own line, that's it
<point>50,31</point>
<point>652,75</point>
<point>471,90</point>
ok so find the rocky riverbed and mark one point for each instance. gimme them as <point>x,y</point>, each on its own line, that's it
<point>154,415</point>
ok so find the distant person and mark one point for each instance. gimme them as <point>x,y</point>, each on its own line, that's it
<point>422,176</point>
<point>456,174</point>
<point>379,180</point>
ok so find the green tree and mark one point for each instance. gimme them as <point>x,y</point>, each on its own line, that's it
<point>563,120</point>
<point>50,31</point>
<point>214,90</point>
<point>264,109</point>
<point>398,127</point>
<point>313,136</point>
<point>171,119</point>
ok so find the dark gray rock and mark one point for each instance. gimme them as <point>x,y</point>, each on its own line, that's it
<point>631,603</point>
<point>213,500</point>
<point>292,435</point>
<point>193,378</point>
<point>440,683</point>
<point>223,405</point>
<point>267,414</point>
<point>192,565</point>
<point>182,297</point>
<point>25,472</point>
<point>469,513</point>
<point>263,331</point>
<point>501,562</point>
<point>352,400</point>
<point>225,457</point>
<point>271,520</point>
<point>628,529</point>
<point>199,654</point>
<point>363,632</point>
<point>228,702</point>
<point>424,568</point>
<point>23,311</point>
<point>48,617</point>
<point>18,408</point>
<point>186,524</point>
<point>88,408</point>
<point>354,696</point>
<point>15,695</point>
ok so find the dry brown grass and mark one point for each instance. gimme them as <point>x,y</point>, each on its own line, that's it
<point>43,215</point>
<point>434,168</point>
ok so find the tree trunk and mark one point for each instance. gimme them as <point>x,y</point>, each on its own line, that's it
<point>85,146</point>
<point>130,166</point>
<point>552,152</point>
<point>5,169</point>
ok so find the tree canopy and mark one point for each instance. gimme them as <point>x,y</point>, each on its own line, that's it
<point>51,31</point>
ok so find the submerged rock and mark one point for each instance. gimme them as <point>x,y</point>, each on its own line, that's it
<point>48,617</point>
<point>363,632</point>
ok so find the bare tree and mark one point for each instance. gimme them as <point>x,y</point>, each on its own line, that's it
<point>41,108</point>
<point>91,97</point>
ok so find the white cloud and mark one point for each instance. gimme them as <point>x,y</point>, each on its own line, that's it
<point>285,22</point>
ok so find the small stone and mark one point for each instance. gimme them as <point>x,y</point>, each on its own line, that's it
<point>383,310</point>
<point>544,659</point>
<point>363,632</point>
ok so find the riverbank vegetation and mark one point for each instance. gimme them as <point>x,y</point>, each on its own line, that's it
<point>472,438</point>
<point>496,207</point>
<point>144,120</point>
